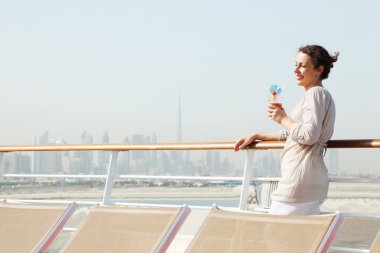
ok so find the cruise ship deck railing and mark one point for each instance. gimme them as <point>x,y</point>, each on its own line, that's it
<point>116,148</point>
<point>245,179</point>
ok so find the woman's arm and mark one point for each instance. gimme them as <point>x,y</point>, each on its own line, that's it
<point>314,111</point>
<point>264,136</point>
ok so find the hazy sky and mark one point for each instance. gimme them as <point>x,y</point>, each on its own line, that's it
<point>69,66</point>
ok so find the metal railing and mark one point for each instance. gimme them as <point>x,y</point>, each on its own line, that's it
<point>116,148</point>
<point>111,175</point>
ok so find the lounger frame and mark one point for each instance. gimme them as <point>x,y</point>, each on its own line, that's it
<point>330,234</point>
<point>375,247</point>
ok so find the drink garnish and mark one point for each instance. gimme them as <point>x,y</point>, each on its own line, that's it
<point>274,90</point>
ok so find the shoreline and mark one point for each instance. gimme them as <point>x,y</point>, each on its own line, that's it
<point>344,197</point>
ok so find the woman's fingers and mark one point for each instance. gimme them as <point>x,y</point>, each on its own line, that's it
<point>242,143</point>
<point>245,143</point>
<point>274,111</point>
<point>271,112</point>
<point>272,106</point>
<point>238,144</point>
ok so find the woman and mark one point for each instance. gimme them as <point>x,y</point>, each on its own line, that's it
<point>304,183</point>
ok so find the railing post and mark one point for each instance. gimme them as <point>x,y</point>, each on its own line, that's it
<point>246,180</point>
<point>110,177</point>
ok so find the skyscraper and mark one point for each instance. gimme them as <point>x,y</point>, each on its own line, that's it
<point>124,166</point>
<point>82,161</point>
<point>139,159</point>
<point>16,163</point>
<point>103,156</point>
<point>49,162</point>
<point>177,156</point>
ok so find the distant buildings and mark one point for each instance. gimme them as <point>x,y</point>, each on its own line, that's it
<point>16,163</point>
<point>266,164</point>
<point>129,162</point>
<point>175,162</point>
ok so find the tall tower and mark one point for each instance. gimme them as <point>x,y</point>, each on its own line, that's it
<point>179,126</point>
<point>178,155</point>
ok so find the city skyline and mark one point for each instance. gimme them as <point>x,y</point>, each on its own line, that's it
<point>130,162</point>
<point>207,162</point>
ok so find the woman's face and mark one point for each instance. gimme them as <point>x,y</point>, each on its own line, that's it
<point>306,74</point>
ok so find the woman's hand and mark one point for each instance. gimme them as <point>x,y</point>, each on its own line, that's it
<point>245,141</point>
<point>276,113</point>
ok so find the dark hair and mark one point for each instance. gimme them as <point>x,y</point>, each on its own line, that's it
<point>319,56</point>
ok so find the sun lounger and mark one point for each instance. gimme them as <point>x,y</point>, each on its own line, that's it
<point>375,248</point>
<point>31,228</point>
<point>226,231</point>
<point>127,229</point>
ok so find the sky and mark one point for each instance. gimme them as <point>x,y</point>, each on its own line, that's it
<point>119,66</point>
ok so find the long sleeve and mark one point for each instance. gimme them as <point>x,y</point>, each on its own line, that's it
<point>314,111</point>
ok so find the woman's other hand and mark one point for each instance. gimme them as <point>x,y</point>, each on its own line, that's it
<point>245,141</point>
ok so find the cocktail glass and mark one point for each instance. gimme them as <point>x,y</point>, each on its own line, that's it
<point>275,96</point>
